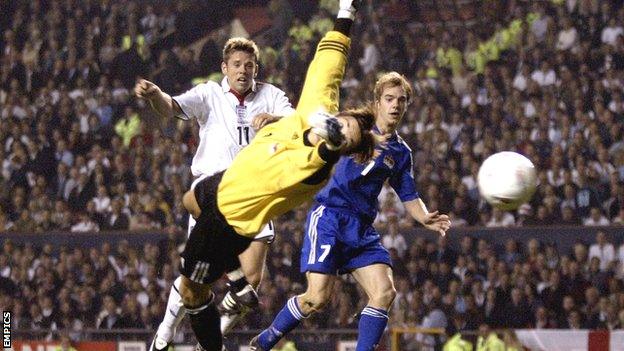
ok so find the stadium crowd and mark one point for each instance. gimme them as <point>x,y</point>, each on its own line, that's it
<point>80,154</point>
<point>125,286</point>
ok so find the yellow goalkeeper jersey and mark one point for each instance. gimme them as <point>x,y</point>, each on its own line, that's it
<point>265,178</point>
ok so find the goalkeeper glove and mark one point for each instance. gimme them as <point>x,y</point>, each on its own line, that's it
<point>327,127</point>
<point>348,8</point>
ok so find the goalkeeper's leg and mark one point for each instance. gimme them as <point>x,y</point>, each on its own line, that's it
<point>323,124</point>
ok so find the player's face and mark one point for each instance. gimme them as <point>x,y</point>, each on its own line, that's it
<point>351,131</point>
<point>391,106</point>
<point>240,70</point>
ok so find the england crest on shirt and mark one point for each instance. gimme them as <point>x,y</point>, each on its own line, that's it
<point>241,114</point>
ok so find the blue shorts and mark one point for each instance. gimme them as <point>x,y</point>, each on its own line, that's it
<point>337,243</point>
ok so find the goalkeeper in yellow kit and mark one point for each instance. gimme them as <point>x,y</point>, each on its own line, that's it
<point>285,164</point>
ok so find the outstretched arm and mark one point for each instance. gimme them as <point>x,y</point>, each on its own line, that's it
<point>161,102</point>
<point>430,220</point>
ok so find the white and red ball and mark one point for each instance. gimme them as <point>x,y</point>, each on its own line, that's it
<point>507,180</point>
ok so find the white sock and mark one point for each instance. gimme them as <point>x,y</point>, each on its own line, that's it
<point>174,313</point>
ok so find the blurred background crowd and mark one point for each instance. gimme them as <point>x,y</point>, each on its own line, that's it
<point>79,153</point>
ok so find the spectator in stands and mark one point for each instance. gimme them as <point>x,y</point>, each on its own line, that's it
<point>444,253</point>
<point>116,219</point>
<point>544,76</point>
<point>511,254</point>
<point>611,32</point>
<point>603,250</point>
<point>371,56</point>
<point>568,36</point>
<point>435,318</point>
<point>568,217</point>
<point>85,224</point>
<point>596,218</point>
<point>488,339</point>
<point>514,313</point>
<point>500,218</point>
<point>574,321</point>
<point>130,316</point>
<point>108,317</point>
<point>552,295</point>
<point>393,238</point>
<point>542,319</point>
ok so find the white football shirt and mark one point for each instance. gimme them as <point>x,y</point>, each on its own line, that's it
<point>224,124</point>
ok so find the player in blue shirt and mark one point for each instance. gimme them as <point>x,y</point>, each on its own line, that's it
<point>340,237</point>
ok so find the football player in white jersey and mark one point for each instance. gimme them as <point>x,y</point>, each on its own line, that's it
<point>229,114</point>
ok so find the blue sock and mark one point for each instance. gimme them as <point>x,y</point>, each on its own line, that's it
<point>373,321</point>
<point>286,320</point>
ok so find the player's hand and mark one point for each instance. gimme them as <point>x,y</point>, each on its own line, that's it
<point>437,222</point>
<point>327,127</point>
<point>262,119</point>
<point>145,89</point>
<point>335,138</point>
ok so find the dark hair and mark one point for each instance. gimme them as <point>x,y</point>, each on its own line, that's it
<point>365,118</point>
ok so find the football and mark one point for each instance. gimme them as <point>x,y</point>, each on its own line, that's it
<point>506,180</point>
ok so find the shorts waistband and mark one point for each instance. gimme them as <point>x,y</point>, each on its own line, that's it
<point>347,211</point>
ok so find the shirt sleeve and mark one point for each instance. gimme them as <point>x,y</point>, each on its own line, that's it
<point>282,106</point>
<point>193,103</point>
<point>403,180</point>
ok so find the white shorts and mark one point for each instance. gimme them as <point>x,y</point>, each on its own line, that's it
<point>266,234</point>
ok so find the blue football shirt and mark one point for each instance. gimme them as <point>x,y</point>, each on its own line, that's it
<point>355,187</point>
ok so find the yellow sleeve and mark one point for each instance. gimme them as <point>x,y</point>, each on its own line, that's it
<point>322,83</point>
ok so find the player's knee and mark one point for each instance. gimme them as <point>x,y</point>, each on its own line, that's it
<point>314,302</point>
<point>384,297</point>
<point>190,203</point>
<point>190,298</point>
<point>193,294</point>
